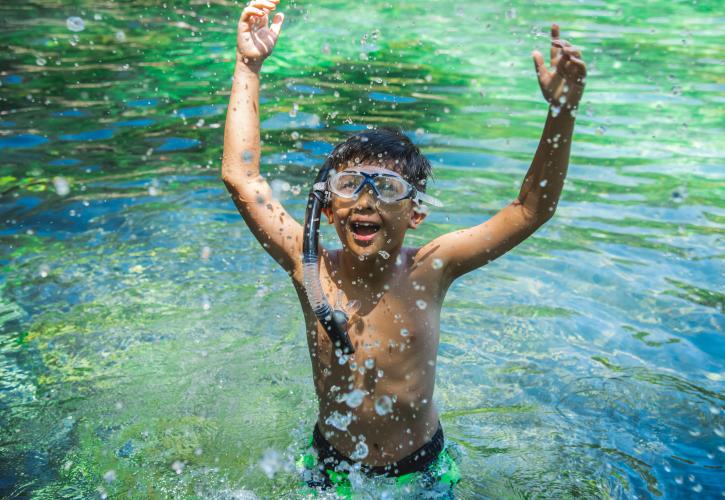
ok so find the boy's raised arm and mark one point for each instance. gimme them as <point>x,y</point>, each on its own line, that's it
<point>278,233</point>
<point>467,249</point>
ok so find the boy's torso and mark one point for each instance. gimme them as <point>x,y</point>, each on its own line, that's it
<point>395,333</point>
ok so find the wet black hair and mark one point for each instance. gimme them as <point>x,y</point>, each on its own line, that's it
<point>388,147</point>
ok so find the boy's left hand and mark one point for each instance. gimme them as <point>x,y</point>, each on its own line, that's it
<point>563,86</point>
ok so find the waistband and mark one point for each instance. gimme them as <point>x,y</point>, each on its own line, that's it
<point>416,461</point>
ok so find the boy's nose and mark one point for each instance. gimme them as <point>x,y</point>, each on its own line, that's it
<point>366,198</point>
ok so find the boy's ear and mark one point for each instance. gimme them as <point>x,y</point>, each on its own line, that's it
<point>416,217</point>
<point>328,213</point>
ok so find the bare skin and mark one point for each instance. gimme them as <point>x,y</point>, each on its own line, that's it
<point>396,328</point>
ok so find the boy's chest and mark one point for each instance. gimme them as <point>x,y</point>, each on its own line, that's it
<point>392,321</point>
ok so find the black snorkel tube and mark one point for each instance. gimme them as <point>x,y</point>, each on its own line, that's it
<point>333,320</point>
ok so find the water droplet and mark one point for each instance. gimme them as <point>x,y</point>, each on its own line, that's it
<point>109,476</point>
<point>279,188</point>
<point>339,420</point>
<point>543,183</point>
<point>679,195</point>
<point>404,332</point>
<point>361,451</point>
<point>352,307</point>
<point>385,255</point>
<point>354,398</point>
<point>120,36</point>
<point>398,260</point>
<point>247,156</point>
<point>205,253</point>
<point>295,135</point>
<point>555,110</point>
<point>178,466</point>
<point>293,111</point>
<point>153,191</point>
<point>370,363</point>
<point>697,488</point>
<point>421,304</point>
<point>75,24</point>
<point>61,186</point>
<point>600,130</point>
<point>381,373</point>
<point>271,462</point>
<point>205,303</point>
<point>383,405</point>
<point>41,61</point>
<point>562,99</point>
<point>44,270</point>
<point>437,263</point>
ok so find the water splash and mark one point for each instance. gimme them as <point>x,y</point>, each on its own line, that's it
<point>354,398</point>
<point>383,405</point>
<point>61,186</point>
<point>75,24</point>
<point>339,420</point>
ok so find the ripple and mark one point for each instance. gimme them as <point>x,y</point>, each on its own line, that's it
<point>92,135</point>
<point>21,141</point>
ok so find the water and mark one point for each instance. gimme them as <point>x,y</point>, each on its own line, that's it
<point>588,362</point>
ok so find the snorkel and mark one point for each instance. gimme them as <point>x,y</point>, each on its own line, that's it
<point>333,320</point>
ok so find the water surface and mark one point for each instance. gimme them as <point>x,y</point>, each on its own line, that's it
<point>135,362</point>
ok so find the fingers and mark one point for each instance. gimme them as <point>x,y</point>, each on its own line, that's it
<point>554,31</point>
<point>539,64</point>
<point>257,9</point>
<point>277,23</point>
<point>567,48</point>
<point>249,13</point>
<point>554,54</point>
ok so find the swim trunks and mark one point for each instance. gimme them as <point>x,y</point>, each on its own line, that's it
<point>431,465</point>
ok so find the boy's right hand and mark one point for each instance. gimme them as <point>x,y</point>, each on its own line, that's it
<point>255,38</point>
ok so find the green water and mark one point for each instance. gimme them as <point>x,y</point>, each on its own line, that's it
<point>135,361</point>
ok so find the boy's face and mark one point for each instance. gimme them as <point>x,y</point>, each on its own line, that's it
<point>367,225</point>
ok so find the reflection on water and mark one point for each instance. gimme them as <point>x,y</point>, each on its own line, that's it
<point>589,362</point>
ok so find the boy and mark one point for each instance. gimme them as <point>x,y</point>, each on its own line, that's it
<point>375,401</point>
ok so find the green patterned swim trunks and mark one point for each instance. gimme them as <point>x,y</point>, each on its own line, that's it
<point>431,468</point>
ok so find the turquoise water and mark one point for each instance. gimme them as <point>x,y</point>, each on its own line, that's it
<point>587,362</point>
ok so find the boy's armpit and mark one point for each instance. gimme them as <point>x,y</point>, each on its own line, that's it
<point>467,249</point>
<point>279,234</point>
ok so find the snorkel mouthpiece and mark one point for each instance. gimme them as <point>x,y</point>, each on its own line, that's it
<point>333,320</point>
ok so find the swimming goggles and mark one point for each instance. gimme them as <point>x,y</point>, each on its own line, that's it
<point>388,186</point>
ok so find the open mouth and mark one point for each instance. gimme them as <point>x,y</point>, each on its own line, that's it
<point>364,231</point>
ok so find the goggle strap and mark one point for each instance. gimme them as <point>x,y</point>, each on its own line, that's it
<point>428,199</point>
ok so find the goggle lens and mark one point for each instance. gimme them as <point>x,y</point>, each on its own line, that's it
<point>388,188</point>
